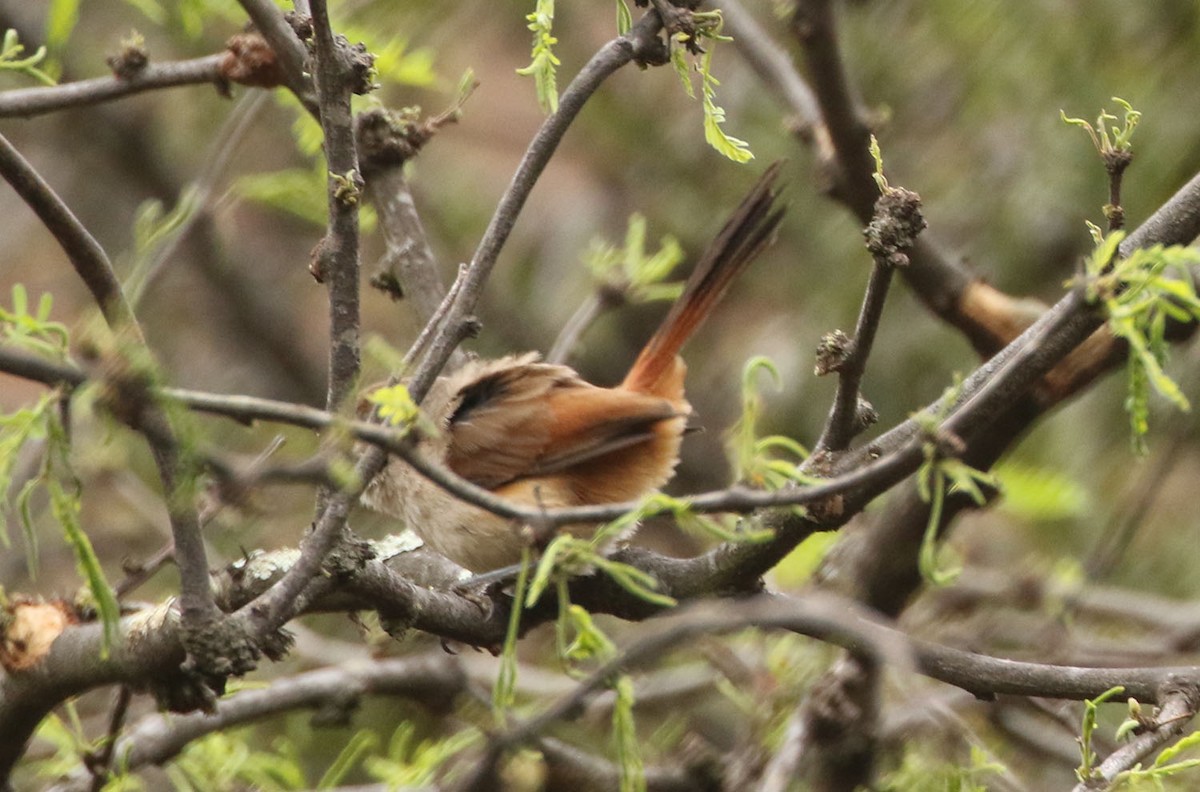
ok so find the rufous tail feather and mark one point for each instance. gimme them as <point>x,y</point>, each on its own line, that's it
<point>749,229</point>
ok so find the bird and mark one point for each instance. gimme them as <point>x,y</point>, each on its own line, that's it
<point>540,435</point>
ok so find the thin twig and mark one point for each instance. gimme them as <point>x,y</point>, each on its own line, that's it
<point>29,102</point>
<point>220,151</point>
<point>90,261</point>
<point>641,40</point>
<point>100,764</point>
<point>338,256</point>
<point>938,280</point>
<point>1169,723</point>
<point>603,299</point>
<point>339,265</point>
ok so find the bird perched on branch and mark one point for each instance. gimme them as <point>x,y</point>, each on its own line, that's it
<point>540,435</point>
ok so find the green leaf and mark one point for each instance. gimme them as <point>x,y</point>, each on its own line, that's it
<point>410,764</point>
<point>66,510</point>
<point>16,429</point>
<point>683,70</point>
<point>348,759</point>
<point>397,408</point>
<point>753,458</point>
<point>299,192</point>
<point>627,745</point>
<point>11,51</point>
<point>61,18</point>
<point>798,567</point>
<point>624,18</point>
<point>1086,769</point>
<point>1039,493</point>
<point>590,642</point>
<point>34,332</point>
<point>1139,293</point>
<point>708,27</point>
<point>543,63</point>
<point>632,271</point>
<point>877,154</point>
<point>1169,753</point>
<point>504,692</point>
<point>927,560</point>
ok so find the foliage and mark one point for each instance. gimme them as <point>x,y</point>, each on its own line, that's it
<point>504,690</point>
<point>190,18</point>
<point>1167,767</point>
<point>625,738</point>
<point>755,459</point>
<point>11,50</point>
<point>155,230</point>
<point>938,476</point>
<point>1038,493</point>
<point>1141,294</point>
<point>1121,138</point>
<point>707,31</point>
<point>413,762</point>
<point>44,423</point>
<point>226,761</point>
<point>919,773</point>
<point>34,330</point>
<point>1086,771</point>
<point>544,63</point>
<point>630,270</point>
<point>396,407</point>
<point>68,741</point>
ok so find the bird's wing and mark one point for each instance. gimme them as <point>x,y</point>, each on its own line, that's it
<point>527,419</point>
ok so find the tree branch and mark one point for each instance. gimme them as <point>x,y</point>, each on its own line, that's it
<point>30,102</point>
<point>1168,724</point>
<point>87,257</point>
<point>433,678</point>
<point>641,43</point>
<point>288,48</point>
<point>94,268</point>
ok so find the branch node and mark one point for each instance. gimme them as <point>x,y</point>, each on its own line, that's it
<point>389,138</point>
<point>131,60</point>
<point>250,60</point>
<point>833,351</point>
<point>893,231</point>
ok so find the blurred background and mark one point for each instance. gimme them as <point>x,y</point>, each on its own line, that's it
<point>967,99</point>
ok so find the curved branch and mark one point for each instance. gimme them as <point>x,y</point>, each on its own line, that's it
<point>636,44</point>
<point>95,269</point>
<point>90,261</point>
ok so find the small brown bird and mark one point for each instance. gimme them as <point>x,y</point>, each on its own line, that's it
<point>538,434</point>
